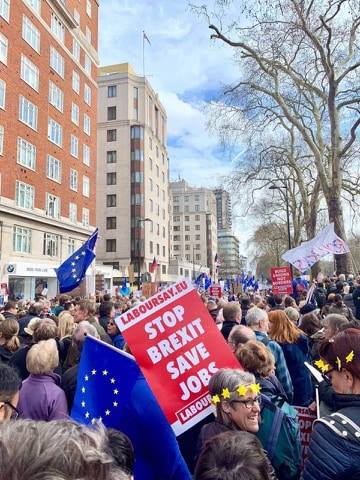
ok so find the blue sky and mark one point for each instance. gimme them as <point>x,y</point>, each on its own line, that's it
<point>184,66</point>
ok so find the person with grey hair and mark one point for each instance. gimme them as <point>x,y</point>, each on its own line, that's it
<point>332,324</point>
<point>59,450</point>
<point>293,314</point>
<point>258,320</point>
<point>41,397</point>
<point>69,377</point>
<point>239,335</point>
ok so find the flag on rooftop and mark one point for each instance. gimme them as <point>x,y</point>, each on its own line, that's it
<point>72,271</point>
<point>112,389</point>
<point>145,37</point>
<point>153,266</point>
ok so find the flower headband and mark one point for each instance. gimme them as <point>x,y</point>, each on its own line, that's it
<point>325,367</point>
<point>241,391</point>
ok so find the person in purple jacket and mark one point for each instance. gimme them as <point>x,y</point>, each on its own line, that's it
<point>41,397</point>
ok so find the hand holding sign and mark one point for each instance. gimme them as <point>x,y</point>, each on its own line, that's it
<point>178,347</point>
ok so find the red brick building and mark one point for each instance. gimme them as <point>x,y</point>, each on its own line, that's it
<point>48,97</point>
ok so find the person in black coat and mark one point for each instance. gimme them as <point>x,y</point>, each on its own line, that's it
<point>106,313</point>
<point>232,317</point>
<point>334,450</point>
<point>356,298</point>
<point>34,311</point>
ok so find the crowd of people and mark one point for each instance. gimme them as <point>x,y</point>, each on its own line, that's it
<point>254,432</point>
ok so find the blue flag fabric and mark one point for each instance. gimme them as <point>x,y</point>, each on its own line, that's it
<point>72,271</point>
<point>208,282</point>
<point>111,387</point>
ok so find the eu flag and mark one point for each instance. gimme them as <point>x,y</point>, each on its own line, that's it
<point>72,271</point>
<point>111,387</point>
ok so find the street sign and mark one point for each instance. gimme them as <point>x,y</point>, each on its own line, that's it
<point>215,291</point>
<point>281,280</point>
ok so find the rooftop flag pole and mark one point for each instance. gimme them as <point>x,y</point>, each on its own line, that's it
<point>145,37</point>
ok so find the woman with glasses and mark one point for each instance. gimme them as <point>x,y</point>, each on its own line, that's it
<point>334,451</point>
<point>236,398</point>
<point>9,392</point>
<point>114,333</point>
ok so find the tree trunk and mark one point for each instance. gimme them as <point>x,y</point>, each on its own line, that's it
<point>342,262</point>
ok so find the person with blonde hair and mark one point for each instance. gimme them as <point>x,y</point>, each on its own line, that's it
<point>65,329</point>
<point>41,397</point>
<point>9,340</point>
<point>296,349</point>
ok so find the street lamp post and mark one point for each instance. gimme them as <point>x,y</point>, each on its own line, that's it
<point>138,239</point>
<point>277,187</point>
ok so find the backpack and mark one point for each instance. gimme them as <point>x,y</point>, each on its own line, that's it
<point>280,436</point>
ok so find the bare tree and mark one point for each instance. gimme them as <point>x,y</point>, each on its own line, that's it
<point>299,62</point>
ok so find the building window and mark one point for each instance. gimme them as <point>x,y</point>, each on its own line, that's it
<point>187,228</point>
<point>163,267</point>
<point>88,8</point>
<point>111,178</point>
<point>28,113</point>
<point>52,206</point>
<point>86,154</point>
<point>87,94</point>
<point>151,247</point>
<point>187,218</point>
<point>111,135</point>
<point>73,180</point>
<point>5,9</point>
<point>85,217</point>
<point>35,4</point>
<point>111,156</point>
<point>75,82</point>
<point>137,154</point>
<point>176,248</point>
<point>176,218</point>
<point>157,171</point>
<point>151,184</point>
<point>198,257</point>
<point>137,199</point>
<point>22,239</point>
<point>71,246</point>
<point>88,34</point>
<point>111,200</point>
<point>87,64</point>
<point>76,50</point>
<point>57,28</point>
<point>31,34</point>
<point>74,146</point>
<point>57,62</point>
<point>137,177</point>
<point>51,244</point>
<point>76,16</point>
<point>3,48</point>
<point>176,208</point>
<point>197,218</point>
<point>75,113</point>
<point>87,124</point>
<point>136,103</point>
<point>110,223</point>
<point>197,227</point>
<point>187,238</point>
<point>1,140</point>
<point>73,212</point>
<point>112,91</point>
<point>197,237</point>
<point>55,132</point>
<point>26,153</point>
<point>86,186</point>
<point>186,208</point>
<point>197,208</point>
<point>53,169</point>
<point>151,205</point>
<point>137,133</point>
<point>29,73</point>
<point>111,113</point>
<point>56,96</point>
<point>24,195</point>
<point>111,245</point>
<point>157,249</point>
<point>2,94</point>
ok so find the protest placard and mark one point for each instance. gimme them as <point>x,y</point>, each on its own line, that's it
<point>281,280</point>
<point>306,418</point>
<point>215,291</point>
<point>178,347</point>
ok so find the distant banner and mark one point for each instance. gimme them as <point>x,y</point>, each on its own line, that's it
<point>308,253</point>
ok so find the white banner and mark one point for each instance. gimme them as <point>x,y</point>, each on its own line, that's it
<point>308,253</point>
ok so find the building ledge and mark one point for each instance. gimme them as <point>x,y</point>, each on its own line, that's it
<point>61,6</point>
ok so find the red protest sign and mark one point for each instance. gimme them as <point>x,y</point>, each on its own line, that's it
<point>281,280</point>
<point>215,291</point>
<point>178,348</point>
<point>305,418</point>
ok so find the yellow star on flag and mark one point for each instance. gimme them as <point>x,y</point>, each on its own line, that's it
<point>338,363</point>
<point>241,390</point>
<point>225,393</point>
<point>215,399</point>
<point>255,388</point>
<point>350,357</point>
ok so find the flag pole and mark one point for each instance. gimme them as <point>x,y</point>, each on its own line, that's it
<point>143,47</point>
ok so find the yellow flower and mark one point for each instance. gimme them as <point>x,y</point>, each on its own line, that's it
<point>215,399</point>
<point>349,358</point>
<point>225,393</point>
<point>255,388</point>
<point>321,365</point>
<point>338,363</point>
<point>241,390</point>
